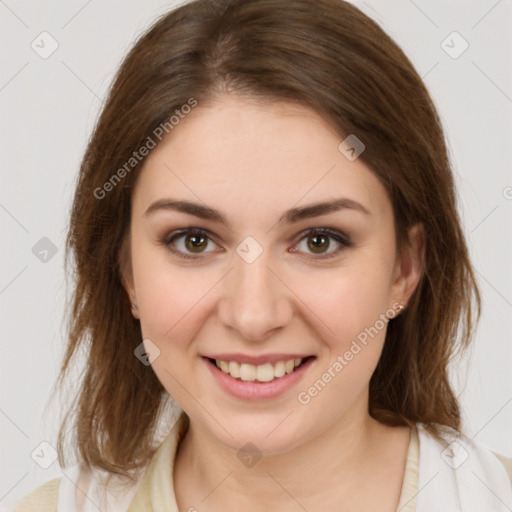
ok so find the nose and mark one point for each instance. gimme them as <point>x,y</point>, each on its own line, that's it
<point>255,302</point>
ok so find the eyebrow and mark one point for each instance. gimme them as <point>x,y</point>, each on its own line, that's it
<point>290,216</point>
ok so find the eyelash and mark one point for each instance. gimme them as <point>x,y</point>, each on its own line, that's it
<point>339,237</point>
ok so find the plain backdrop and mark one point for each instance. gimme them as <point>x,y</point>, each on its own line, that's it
<point>48,109</point>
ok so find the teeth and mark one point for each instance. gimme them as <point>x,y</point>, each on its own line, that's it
<point>262,373</point>
<point>247,372</point>
<point>265,372</point>
<point>279,370</point>
<point>289,365</point>
<point>234,369</point>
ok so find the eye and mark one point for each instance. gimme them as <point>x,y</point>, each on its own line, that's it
<point>318,241</point>
<point>191,243</point>
<point>188,241</point>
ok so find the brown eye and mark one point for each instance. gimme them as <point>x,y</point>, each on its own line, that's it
<point>319,241</point>
<point>195,242</point>
<point>188,242</point>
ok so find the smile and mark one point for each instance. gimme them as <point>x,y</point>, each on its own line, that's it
<point>259,379</point>
<point>262,373</point>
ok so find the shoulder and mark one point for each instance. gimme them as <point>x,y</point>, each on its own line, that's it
<point>42,499</point>
<point>507,463</point>
<point>111,491</point>
<point>457,472</point>
<point>459,447</point>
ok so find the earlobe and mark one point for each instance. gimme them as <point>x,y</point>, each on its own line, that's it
<point>410,265</point>
<point>126,276</point>
<point>127,282</point>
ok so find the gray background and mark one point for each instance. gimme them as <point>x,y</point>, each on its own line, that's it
<point>48,109</point>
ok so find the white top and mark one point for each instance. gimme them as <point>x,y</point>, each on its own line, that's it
<point>464,476</point>
<point>459,475</point>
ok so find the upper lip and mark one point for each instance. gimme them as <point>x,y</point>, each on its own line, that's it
<point>255,360</point>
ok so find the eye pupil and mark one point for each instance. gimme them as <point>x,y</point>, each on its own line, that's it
<point>319,241</point>
<point>197,241</point>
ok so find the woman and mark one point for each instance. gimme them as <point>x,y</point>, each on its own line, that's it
<point>265,229</point>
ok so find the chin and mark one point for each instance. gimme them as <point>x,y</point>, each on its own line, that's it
<point>266,434</point>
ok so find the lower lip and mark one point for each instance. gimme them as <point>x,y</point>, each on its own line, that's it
<point>254,390</point>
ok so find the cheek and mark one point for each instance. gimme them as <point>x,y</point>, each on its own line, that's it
<point>168,296</point>
<point>354,308</point>
<point>340,303</point>
<point>172,312</point>
<point>347,300</point>
<point>170,303</point>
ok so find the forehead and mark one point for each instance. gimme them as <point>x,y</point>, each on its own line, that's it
<point>235,152</point>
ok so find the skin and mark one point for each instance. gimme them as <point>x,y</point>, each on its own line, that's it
<point>253,161</point>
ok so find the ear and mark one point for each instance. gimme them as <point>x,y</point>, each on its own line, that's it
<point>126,276</point>
<point>409,265</point>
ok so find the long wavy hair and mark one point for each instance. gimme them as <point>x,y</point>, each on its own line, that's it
<point>324,54</point>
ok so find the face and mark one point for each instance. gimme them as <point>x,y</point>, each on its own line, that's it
<point>235,257</point>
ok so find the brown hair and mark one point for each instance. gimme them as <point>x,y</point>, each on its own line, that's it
<point>324,54</point>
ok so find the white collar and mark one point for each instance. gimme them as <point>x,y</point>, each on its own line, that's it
<point>460,475</point>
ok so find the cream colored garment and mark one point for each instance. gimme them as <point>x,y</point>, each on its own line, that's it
<point>154,492</point>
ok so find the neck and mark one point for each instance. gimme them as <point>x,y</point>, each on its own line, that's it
<point>346,462</point>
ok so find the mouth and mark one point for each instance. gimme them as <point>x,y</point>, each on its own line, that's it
<point>260,373</point>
